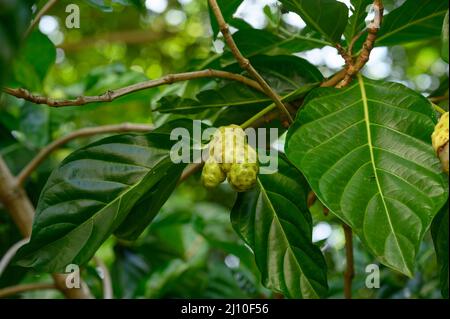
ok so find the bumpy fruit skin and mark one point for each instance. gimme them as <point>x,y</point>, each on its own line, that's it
<point>212,174</point>
<point>242,176</point>
<point>440,139</point>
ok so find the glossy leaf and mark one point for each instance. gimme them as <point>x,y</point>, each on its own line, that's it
<point>366,152</point>
<point>439,231</point>
<point>93,192</point>
<point>413,21</point>
<point>274,221</point>
<point>329,17</point>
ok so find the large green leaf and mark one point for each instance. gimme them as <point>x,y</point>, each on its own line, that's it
<point>329,17</point>
<point>367,154</point>
<point>275,222</point>
<point>228,8</point>
<point>356,22</point>
<point>439,231</point>
<point>445,39</point>
<point>413,21</point>
<point>93,192</point>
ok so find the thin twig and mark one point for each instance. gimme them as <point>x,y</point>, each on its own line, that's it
<point>39,15</point>
<point>335,79</point>
<point>45,152</point>
<point>368,45</point>
<point>437,99</point>
<point>9,291</point>
<point>114,94</point>
<point>350,270</point>
<point>244,62</point>
<point>106,278</point>
<point>11,252</point>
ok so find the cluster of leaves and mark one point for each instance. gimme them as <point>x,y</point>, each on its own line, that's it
<point>364,150</point>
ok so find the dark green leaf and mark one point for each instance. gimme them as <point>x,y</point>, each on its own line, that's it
<point>329,17</point>
<point>275,222</point>
<point>439,231</point>
<point>413,21</point>
<point>228,8</point>
<point>367,154</point>
<point>35,124</point>
<point>37,55</point>
<point>14,19</point>
<point>356,23</point>
<point>284,73</point>
<point>93,192</point>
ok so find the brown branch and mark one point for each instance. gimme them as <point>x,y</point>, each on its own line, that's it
<point>244,62</point>
<point>9,291</point>
<point>350,270</point>
<point>18,205</point>
<point>437,99</point>
<point>335,79</point>
<point>45,152</point>
<point>114,94</point>
<point>344,54</point>
<point>368,45</point>
<point>39,15</point>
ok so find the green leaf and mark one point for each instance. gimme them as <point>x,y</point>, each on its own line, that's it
<point>356,22</point>
<point>14,19</point>
<point>228,8</point>
<point>329,17</point>
<point>253,42</point>
<point>445,39</point>
<point>366,152</point>
<point>38,55</point>
<point>413,21</point>
<point>35,124</point>
<point>439,231</point>
<point>94,191</point>
<point>284,73</point>
<point>274,221</point>
<point>233,94</point>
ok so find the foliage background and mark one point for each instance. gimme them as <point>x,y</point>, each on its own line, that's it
<point>190,251</point>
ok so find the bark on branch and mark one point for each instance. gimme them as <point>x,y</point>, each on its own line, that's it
<point>45,152</point>
<point>244,62</point>
<point>111,95</point>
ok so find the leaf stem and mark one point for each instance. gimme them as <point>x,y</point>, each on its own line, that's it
<point>437,108</point>
<point>39,15</point>
<point>9,291</point>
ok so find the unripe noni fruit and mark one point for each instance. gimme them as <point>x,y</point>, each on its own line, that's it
<point>440,139</point>
<point>242,176</point>
<point>212,174</point>
<point>228,146</point>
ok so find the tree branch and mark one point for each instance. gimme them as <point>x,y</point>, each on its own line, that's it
<point>11,252</point>
<point>245,63</point>
<point>39,15</point>
<point>106,279</point>
<point>353,68</point>
<point>114,94</point>
<point>45,152</point>
<point>18,205</point>
<point>350,270</point>
<point>9,291</point>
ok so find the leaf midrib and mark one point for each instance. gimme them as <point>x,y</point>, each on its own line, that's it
<point>375,169</point>
<point>275,217</point>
